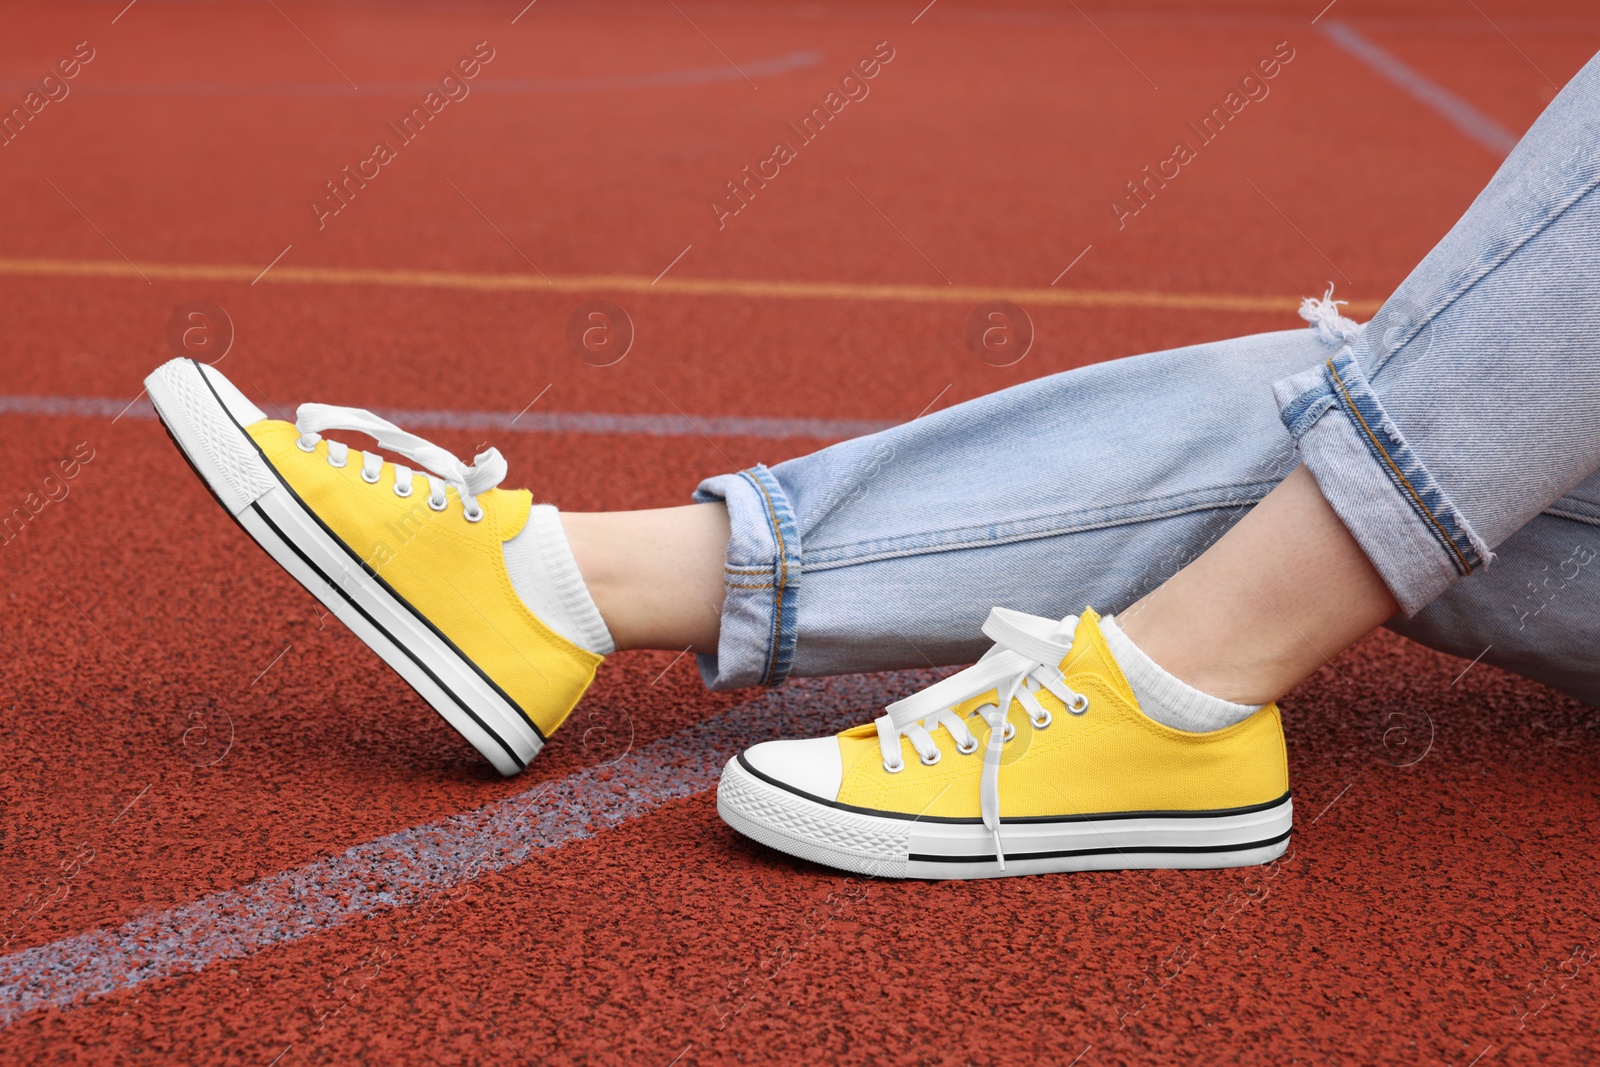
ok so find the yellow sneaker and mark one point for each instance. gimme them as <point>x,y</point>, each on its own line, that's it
<point>1072,777</point>
<point>413,564</point>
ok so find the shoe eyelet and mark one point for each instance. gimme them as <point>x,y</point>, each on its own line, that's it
<point>937,756</point>
<point>345,462</point>
<point>372,480</point>
<point>1011,730</point>
<point>1078,706</point>
<point>300,443</point>
<point>397,491</point>
<point>476,515</point>
<point>440,506</point>
<point>969,749</point>
<point>896,768</point>
<point>1041,723</point>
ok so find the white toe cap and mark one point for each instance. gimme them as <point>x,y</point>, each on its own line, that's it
<point>812,766</point>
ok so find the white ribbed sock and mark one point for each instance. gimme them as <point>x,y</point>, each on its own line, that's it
<point>1166,699</point>
<point>546,577</point>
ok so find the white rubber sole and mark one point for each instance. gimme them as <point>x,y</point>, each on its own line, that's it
<point>206,417</point>
<point>892,847</point>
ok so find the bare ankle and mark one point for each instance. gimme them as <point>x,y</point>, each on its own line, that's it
<point>655,575</point>
<point>1280,594</point>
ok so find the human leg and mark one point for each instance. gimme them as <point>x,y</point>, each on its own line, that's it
<point>655,575</point>
<point>1285,590</point>
<point>1090,486</point>
<point>1419,471</point>
<point>1462,411</point>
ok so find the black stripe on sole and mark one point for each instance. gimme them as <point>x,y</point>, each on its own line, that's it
<point>376,625</point>
<point>1143,850</point>
<point>369,572</point>
<point>459,702</point>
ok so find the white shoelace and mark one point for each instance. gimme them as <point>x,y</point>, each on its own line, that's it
<point>1026,657</point>
<point>444,469</point>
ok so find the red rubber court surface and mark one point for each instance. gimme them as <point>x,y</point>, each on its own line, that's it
<point>229,835</point>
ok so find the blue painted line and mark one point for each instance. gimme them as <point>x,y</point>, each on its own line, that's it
<point>674,425</point>
<point>659,80</point>
<point>1460,114</point>
<point>410,867</point>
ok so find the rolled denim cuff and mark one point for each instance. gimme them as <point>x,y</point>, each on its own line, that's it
<point>1415,537</point>
<point>755,645</point>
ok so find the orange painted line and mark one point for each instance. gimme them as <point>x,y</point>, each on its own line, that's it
<point>638,283</point>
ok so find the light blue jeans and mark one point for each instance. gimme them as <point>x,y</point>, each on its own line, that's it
<point>1457,435</point>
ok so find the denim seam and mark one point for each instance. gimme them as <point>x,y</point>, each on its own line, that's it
<point>1487,267</point>
<point>1463,565</point>
<point>1573,516</point>
<point>902,550</point>
<point>781,639</point>
<point>1311,404</point>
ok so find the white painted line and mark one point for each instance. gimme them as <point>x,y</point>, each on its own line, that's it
<point>412,866</point>
<point>586,422</point>
<point>1460,114</point>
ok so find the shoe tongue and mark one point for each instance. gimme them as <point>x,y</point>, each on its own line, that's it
<point>1090,653</point>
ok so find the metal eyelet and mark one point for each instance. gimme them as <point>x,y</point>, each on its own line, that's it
<point>476,515</point>
<point>345,462</point>
<point>969,749</point>
<point>1078,706</point>
<point>441,505</point>
<point>937,756</point>
<point>897,768</point>
<point>397,491</point>
<point>300,443</point>
<point>1040,724</point>
<point>1011,730</point>
<point>372,480</point>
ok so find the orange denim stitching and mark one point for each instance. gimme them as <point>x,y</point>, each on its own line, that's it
<point>783,577</point>
<point>1403,480</point>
